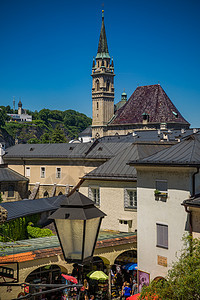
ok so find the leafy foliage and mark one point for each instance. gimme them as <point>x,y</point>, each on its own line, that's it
<point>36,232</point>
<point>48,126</point>
<point>19,229</point>
<point>3,116</point>
<point>182,281</point>
<point>58,135</point>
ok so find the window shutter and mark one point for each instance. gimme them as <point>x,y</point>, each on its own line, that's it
<point>162,235</point>
<point>126,199</point>
<point>90,195</point>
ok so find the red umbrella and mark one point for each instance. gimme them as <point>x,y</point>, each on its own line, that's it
<point>136,297</point>
<point>70,278</point>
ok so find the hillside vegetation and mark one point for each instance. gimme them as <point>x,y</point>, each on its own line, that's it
<point>48,126</point>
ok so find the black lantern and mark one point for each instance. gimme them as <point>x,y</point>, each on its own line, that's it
<point>77,223</point>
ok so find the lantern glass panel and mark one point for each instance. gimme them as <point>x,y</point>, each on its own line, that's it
<point>71,237</point>
<point>90,235</point>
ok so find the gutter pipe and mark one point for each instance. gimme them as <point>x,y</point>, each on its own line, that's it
<point>193,182</point>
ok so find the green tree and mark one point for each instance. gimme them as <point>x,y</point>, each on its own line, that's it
<point>44,115</point>
<point>45,138</point>
<point>3,116</point>
<point>182,281</point>
<point>58,135</point>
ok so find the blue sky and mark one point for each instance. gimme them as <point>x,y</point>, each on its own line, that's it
<point>47,48</point>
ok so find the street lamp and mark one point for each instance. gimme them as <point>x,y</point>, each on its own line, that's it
<point>77,223</point>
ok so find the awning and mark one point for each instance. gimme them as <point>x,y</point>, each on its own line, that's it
<point>130,267</point>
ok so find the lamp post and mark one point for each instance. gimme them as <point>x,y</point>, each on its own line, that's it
<point>77,223</point>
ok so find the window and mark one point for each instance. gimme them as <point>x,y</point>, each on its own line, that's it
<point>161,185</point>
<point>94,194</point>
<point>58,172</point>
<point>97,105</point>
<point>28,171</point>
<point>107,85</point>
<point>46,194</point>
<point>130,198</point>
<point>10,190</point>
<point>162,236</point>
<point>42,172</point>
<point>97,85</point>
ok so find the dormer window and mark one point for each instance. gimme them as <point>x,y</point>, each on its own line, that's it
<point>145,117</point>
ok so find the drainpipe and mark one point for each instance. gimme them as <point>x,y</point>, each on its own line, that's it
<point>193,182</point>
<point>190,218</point>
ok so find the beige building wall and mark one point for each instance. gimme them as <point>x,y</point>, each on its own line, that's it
<point>152,259</point>
<point>71,172</point>
<point>195,222</point>
<point>112,204</point>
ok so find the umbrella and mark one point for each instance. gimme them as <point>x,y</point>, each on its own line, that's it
<point>136,297</point>
<point>130,266</point>
<point>98,275</point>
<point>70,278</point>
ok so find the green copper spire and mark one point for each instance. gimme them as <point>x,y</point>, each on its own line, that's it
<point>103,46</point>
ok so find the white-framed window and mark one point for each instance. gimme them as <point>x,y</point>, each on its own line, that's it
<point>28,171</point>
<point>42,172</point>
<point>94,194</point>
<point>58,172</point>
<point>162,235</point>
<point>130,198</point>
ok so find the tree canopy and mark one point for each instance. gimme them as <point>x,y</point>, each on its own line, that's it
<point>48,126</point>
<point>182,281</point>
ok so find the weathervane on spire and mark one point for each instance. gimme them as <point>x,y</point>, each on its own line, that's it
<point>102,10</point>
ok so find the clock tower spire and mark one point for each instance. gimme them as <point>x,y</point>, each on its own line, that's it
<point>102,86</point>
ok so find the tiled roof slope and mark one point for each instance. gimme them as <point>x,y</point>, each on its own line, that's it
<point>152,100</point>
<point>26,207</point>
<point>117,167</point>
<point>32,247</point>
<point>8,175</point>
<point>186,153</point>
<point>193,201</point>
<point>64,150</point>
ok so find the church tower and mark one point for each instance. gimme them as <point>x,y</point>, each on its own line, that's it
<point>102,86</point>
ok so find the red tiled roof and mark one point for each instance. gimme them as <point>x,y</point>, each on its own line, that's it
<point>152,100</point>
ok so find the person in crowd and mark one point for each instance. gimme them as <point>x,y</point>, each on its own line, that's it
<point>134,288</point>
<point>122,292</point>
<point>127,291</point>
<point>86,289</point>
<point>91,297</point>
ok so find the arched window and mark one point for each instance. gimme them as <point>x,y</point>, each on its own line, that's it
<point>60,194</point>
<point>107,85</point>
<point>97,84</point>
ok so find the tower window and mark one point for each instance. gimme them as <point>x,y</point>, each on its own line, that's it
<point>97,85</point>
<point>107,85</point>
<point>97,105</point>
